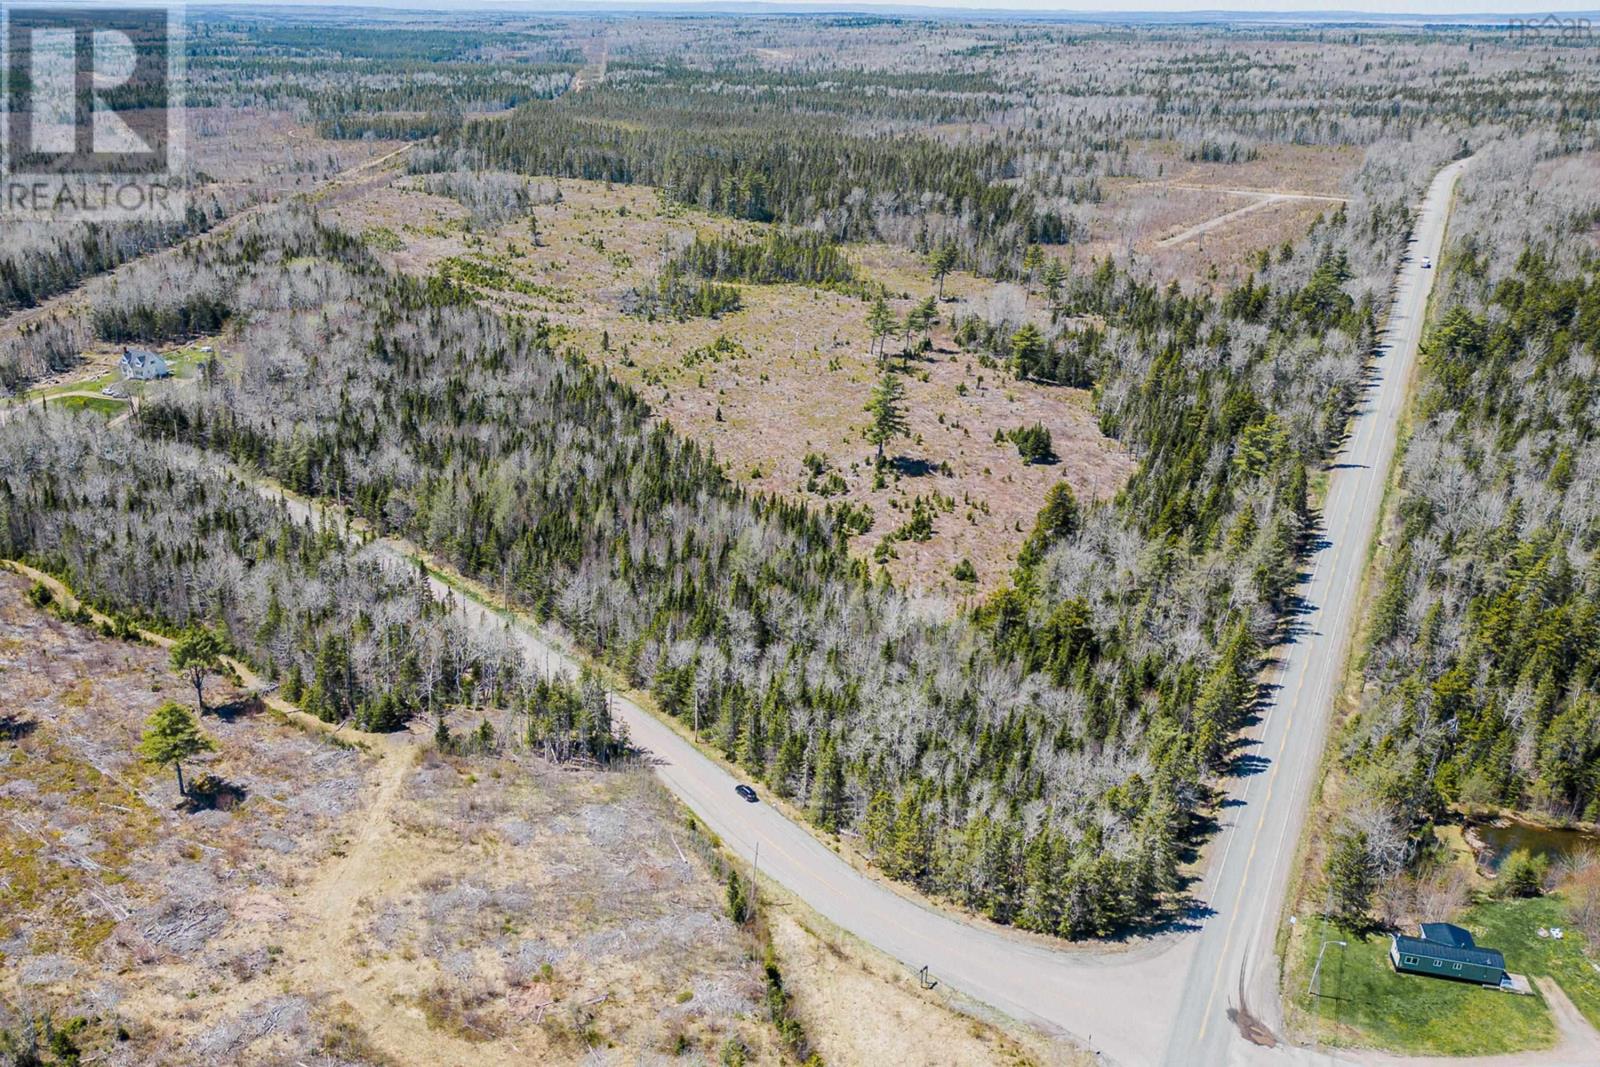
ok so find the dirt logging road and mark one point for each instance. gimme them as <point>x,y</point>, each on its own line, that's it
<point>74,299</point>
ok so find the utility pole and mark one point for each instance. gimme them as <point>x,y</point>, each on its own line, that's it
<point>1311,986</point>
<point>755,883</point>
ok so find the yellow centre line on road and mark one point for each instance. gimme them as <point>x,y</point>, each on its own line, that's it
<point>1399,337</point>
<point>1272,778</point>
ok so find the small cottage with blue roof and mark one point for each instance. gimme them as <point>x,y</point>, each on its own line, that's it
<point>1446,951</point>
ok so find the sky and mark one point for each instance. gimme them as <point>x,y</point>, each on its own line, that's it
<point>1397,7</point>
<point>1421,8</point>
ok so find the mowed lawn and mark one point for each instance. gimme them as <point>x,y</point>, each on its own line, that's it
<point>1365,1003</point>
<point>1513,928</point>
<point>102,404</point>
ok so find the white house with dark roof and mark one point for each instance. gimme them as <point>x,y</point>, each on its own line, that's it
<point>142,365</point>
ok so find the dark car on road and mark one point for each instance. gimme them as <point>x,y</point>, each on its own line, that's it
<point>746,792</point>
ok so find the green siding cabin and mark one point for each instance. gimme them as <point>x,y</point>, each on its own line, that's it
<point>1446,951</point>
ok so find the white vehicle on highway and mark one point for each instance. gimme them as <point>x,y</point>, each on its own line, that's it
<point>1427,263</point>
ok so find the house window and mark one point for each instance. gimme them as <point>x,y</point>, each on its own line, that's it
<point>1458,966</point>
<point>1411,960</point>
<point>1438,963</point>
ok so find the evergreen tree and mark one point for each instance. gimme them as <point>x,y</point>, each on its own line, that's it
<point>791,758</point>
<point>827,788</point>
<point>880,323</point>
<point>908,855</point>
<point>1350,877</point>
<point>1027,346</point>
<point>1033,443</point>
<point>921,319</point>
<point>753,744</point>
<point>1055,276</point>
<point>888,413</point>
<point>738,898</point>
<point>198,654</point>
<point>1032,261</point>
<point>877,829</point>
<point>172,735</point>
<point>943,261</point>
<point>1058,520</point>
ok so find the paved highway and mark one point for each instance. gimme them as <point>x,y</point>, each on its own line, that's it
<point>1167,999</point>
<point>1246,884</point>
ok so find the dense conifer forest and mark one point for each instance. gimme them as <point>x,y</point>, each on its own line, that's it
<point>1484,634</point>
<point>525,467</point>
<point>1045,757</point>
<point>794,172</point>
<point>152,534</point>
<point>45,260</point>
<point>1039,762</point>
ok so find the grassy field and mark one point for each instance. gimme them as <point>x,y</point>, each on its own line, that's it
<point>103,404</point>
<point>1512,927</point>
<point>1365,1003</point>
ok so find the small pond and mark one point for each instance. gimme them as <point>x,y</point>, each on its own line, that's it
<point>1501,840</point>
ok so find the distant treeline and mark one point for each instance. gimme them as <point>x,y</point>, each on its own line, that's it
<point>804,172</point>
<point>32,271</point>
